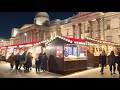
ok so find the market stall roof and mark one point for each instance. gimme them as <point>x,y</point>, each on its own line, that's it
<point>74,39</point>
<point>99,41</point>
<point>23,44</point>
<point>69,39</point>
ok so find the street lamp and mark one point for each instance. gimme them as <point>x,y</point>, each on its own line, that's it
<point>25,34</point>
<point>2,40</point>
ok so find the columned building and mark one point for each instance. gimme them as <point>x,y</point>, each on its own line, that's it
<point>4,42</point>
<point>105,26</point>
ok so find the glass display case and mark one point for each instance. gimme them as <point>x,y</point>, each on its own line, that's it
<point>75,51</point>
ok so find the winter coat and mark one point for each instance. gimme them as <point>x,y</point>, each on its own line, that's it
<point>17,59</point>
<point>24,55</point>
<point>102,59</point>
<point>39,60</point>
<point>118,62</point>
<point>11,59</point>
<point>28,63</point>
<point>44,62</point>
<point>111,60</point>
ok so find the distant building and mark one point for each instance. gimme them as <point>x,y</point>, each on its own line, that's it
<point>4,42</point>
<point>100,25</point>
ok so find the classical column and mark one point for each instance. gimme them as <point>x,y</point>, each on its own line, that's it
<point>79,31</point>
<point>98,27</point>
<point>90,28</point>
<point>102,30</point>
<point>73,31</point>
<point>84,30</point>
<point>32,36</point>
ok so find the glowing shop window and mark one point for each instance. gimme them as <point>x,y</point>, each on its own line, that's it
<point>70,51</point>
<point>82,51</point>
<point>38,50</point>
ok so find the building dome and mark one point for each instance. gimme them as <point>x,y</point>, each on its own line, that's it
<point>41,18</point>
<point>42,14</point>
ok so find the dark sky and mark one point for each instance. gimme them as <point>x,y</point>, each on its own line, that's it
<point>9,20</point>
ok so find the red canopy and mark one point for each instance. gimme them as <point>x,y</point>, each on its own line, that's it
<point>74,39</point>
<point>22,44</point>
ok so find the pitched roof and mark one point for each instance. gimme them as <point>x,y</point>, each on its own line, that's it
<point>26,26</point>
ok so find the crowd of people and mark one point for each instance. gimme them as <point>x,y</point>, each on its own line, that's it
<point>25,61</point>
<point>113,61</point>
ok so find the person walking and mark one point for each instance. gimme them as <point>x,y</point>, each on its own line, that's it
<point>23,60</point>
<point>44,62</point>
<point>38,62</point>
<point>0,57</point>
<point>28,63</point>
<point>102,61</point>
<point>112,62</point>
<point>118,62</point>
<point>17,60</point>
<point>11,60</point>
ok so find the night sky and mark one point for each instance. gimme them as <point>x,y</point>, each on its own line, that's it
<point>10,20</point>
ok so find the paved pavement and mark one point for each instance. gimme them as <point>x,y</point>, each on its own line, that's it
<point>5,72</point>
<point>93,73</point>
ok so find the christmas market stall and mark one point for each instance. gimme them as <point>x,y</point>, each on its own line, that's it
<point>66,55</point>
<point>97,47</point>
<point>33,47</point>
<point>3,51</point>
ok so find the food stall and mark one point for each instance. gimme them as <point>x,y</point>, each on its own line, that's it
<point>32,47</point>
<point>3,51</point>
<point>66,55</point>
<point>97,47</point>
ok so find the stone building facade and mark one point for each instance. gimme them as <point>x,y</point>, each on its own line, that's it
<point>102,25</point>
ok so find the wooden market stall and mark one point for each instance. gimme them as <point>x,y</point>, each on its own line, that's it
<point>3,51</point>
<point>33,47</point>
<point>66,55</point>
<point>96,46</point>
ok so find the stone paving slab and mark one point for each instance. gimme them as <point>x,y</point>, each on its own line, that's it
<point>6,72</point>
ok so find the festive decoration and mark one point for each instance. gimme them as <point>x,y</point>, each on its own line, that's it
<point>98,41</point>
<point>70,40</point>
<point>29,44</point>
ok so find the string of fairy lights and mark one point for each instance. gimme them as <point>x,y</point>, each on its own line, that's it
<point>86,42</point>
<point>98,41</point>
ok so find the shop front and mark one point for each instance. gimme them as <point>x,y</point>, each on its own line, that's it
<point>3,51</point>
<point>66,55</point>
<point>96,49</point>
<point>34,48</point>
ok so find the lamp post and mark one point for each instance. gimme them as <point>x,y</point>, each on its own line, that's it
<point>25,34</point>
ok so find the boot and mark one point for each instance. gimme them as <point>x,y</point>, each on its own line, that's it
<point>111,73</point>
<point>114,72</point>
<point>102,73</point>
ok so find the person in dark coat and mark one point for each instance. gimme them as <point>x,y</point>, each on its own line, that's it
<point>11,60</point>
<point>17,60</point>
<point>28,63</point>
<point>112,62</point>
<point>102,61</point>
<point>38,61</point>
<point>118,62</point>
<point>44,62</point>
